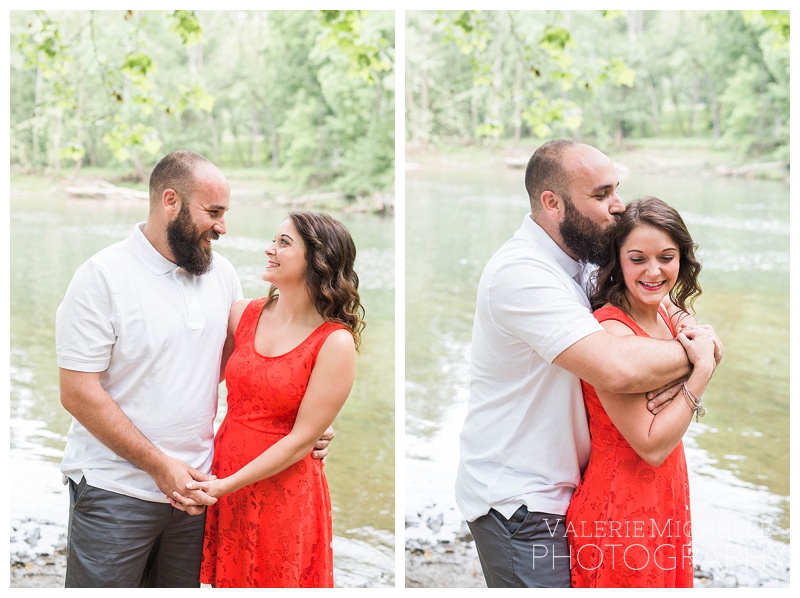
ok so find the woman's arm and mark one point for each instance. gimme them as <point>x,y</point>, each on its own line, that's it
<point>328,388</point>
<point>654,437</point>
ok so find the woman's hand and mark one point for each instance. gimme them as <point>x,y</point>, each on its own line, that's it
<point>197,491</point>
<point>719,350</point>
<point>699,343</point>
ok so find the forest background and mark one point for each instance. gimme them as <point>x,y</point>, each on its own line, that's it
<point>502,78</point>
<point>255,90</point>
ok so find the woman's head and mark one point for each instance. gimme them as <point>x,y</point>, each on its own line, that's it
<point>330,278</point>
<point>648,239</point>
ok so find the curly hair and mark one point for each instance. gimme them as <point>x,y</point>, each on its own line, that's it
<point>650,211</point>
<point>331,280</point>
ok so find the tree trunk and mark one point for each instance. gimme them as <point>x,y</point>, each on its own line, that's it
<point>215,146</point>
<point>273,139</point>
<point>518,97</point>
<point>655,108</point>
<point>37,102</point>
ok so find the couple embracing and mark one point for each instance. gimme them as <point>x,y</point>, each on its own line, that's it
<point>146,331</point>
<point>572,469</point>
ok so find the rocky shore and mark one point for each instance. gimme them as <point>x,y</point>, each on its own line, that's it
<point>45,571</point>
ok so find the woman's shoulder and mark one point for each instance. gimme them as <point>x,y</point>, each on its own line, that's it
<point>614,320</point>
<point>238,309</point>
<point>338,338</point>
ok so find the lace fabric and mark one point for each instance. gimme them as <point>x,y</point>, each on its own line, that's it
<point>276,532</point>
<point>628,524</point>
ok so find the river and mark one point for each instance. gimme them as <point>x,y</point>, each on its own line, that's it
<point>738,454</point>
<point>52,234</point>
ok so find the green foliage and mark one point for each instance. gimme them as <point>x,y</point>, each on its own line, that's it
<point>306,95</point>
<point>605,75</point>
<point>127,138</point>
<point>343,29</point>
<point>187,26</point>
<point>43,49</point>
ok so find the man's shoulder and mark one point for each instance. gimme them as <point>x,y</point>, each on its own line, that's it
<point>519,252</point>
<point>110,257</point>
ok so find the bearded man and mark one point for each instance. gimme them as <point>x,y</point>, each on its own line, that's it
<point>139,343</point>
<point>525,439</point>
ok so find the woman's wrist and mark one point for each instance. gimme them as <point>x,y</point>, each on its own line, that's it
<point>227,485</point>
<point>704,368</point>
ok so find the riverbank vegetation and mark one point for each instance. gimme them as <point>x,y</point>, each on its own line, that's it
<point>306,97</point>
<point>618,79</point>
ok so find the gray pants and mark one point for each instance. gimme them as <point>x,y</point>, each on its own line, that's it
<point>527,551</point>
<point>123,542</point>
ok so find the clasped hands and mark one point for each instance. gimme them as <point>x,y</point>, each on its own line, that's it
<point>659,398</point>
<point>203,490</point>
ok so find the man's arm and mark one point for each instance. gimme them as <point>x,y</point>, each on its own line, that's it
<point>625,364</point>
<point>87,401</point>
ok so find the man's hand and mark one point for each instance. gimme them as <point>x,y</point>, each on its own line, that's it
<point>660,398</point>
<point>321,448</point>
<point>173,476</point>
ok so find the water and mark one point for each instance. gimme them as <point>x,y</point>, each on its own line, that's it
<point>738,455</point>
<point>52,235</point>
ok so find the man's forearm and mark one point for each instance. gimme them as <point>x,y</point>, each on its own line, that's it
<point>88,403</point>
<point>647,364</point>
<point>624,364</point>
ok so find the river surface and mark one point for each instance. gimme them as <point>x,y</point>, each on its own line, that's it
<point>738,454</point>
<point>51,235</point>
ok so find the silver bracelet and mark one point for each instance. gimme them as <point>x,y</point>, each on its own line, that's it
<point>695,403</point>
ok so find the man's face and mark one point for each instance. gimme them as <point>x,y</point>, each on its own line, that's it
<point>591,206</point>
<point>190,247</point>
<point>200,220</point>
<point>585,239</point>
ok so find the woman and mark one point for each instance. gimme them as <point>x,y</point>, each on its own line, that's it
<point>290,372</point>
<point>629,523</point>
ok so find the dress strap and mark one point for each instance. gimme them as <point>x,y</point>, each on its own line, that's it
<point>667,320</point>
<point>245,330</point>
<point>610,312</point>
<point>317,338</point>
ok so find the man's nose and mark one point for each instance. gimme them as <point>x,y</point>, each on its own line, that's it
<point>616,206</point>
<point>220,226</point>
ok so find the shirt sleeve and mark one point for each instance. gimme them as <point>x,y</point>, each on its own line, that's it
<point>86,327</point>
<point>534,303</point>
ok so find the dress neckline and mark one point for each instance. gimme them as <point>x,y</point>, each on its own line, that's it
<point>613,312</point>
<point>256,308</point>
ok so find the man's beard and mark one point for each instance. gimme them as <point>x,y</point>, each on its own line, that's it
<point>186,243</point>
<point>584,238</point>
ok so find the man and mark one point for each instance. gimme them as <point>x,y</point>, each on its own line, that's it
<point>139,341</point>
<point>525,439</point>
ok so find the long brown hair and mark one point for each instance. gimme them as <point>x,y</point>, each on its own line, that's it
<point>650,211</point>
<point>330,277</point>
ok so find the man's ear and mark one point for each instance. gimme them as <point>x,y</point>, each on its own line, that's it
<point>171,202</point>
<point>552,205</point>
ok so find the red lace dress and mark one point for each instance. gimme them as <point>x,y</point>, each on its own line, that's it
<point>628,524</point>
<point>276,532</point>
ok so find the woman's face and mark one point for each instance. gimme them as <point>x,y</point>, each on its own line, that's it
<point>286,256</point>
<point>650,262</point>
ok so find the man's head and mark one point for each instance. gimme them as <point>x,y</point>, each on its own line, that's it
<point>193,196</point>
<point>572,191</point>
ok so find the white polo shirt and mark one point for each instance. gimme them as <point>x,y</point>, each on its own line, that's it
<point>525,439</point>
<point>156,333</point>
